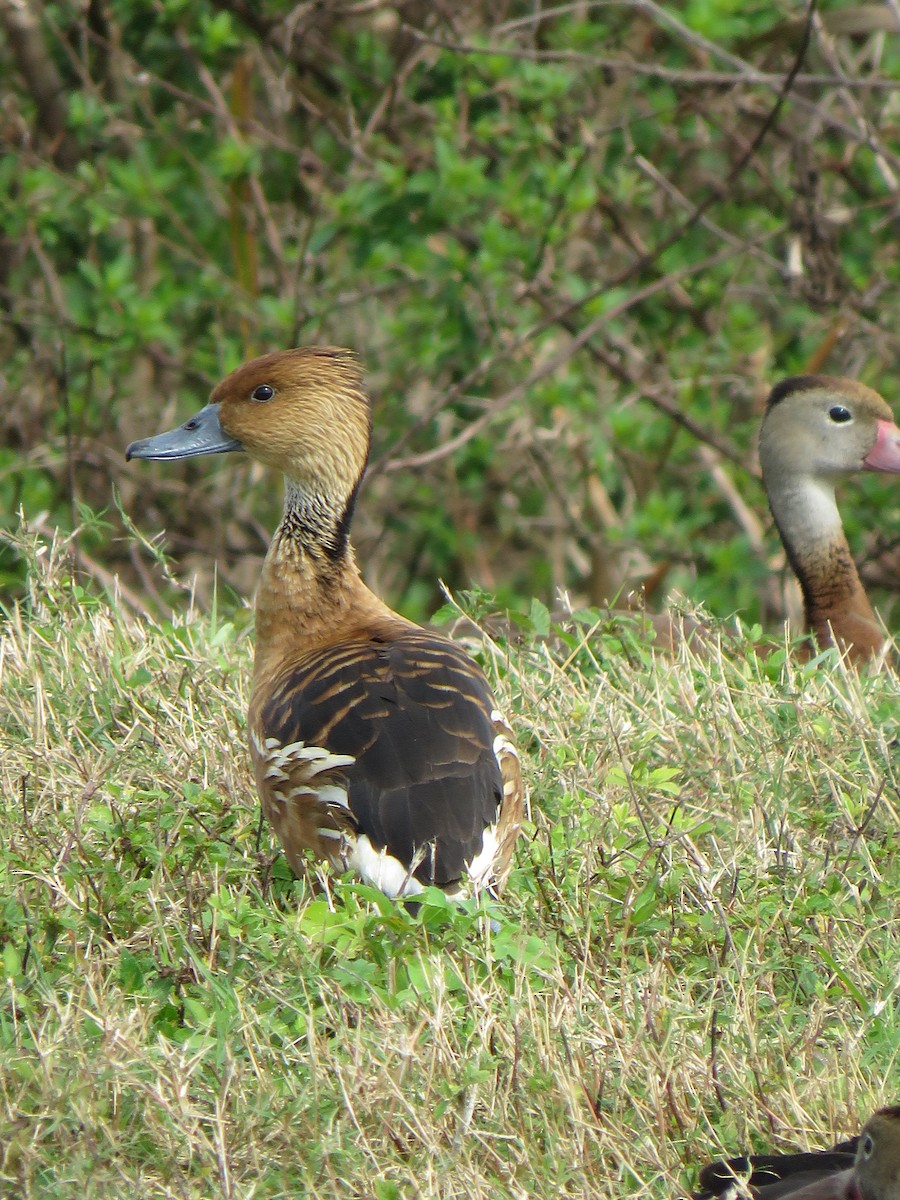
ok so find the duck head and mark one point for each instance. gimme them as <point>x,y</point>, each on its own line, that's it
<point>877,1166</point>
<point>304,412</point>
<point>826,427</point>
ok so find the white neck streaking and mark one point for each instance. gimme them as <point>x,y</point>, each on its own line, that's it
<point>312,520</point>
<point>309,579</point>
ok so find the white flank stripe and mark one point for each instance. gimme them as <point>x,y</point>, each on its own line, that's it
<point>329,762</point>
<point>382,869</point>
<point>502,745</point>
<point>481,867</point>
<point>331,793</point>
<point>312,759</point>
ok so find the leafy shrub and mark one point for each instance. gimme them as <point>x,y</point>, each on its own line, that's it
<point>560,239</point>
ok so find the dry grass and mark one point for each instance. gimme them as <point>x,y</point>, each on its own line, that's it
<point>698,948</point>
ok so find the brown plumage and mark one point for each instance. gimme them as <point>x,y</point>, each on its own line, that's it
<point>816,431</point>
<point>376,744</point>
<point>865,1168</point>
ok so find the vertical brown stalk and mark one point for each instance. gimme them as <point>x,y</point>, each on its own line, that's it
<point>243,240</point>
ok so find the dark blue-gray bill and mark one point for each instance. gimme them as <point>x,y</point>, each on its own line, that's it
<point>202,434</point>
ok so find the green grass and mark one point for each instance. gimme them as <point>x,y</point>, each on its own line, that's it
<point>698,949</point>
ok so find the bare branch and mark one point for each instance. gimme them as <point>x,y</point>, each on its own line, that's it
<point>41,77</point>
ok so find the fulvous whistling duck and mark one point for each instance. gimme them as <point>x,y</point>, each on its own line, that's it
<point>376,744</point>
<point>818,429</point>
<point>865,1168</point>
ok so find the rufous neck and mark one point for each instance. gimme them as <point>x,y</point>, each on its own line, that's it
<point>316,523</point>
<point>309,576</point>
<point>807,516</point>
<point>310,590</point>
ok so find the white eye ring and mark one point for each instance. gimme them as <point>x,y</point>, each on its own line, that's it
<point>839,414</point>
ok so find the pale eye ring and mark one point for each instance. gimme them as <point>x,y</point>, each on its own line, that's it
<point>868,1145</point>
<point>262,394</point>
<point>839,414</point>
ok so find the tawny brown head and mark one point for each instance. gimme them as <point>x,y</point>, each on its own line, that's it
<point>825,427</point>
<point>304,412</point>
<point>878,1157</point>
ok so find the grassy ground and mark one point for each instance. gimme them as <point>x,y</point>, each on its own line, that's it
<point>699,947</point>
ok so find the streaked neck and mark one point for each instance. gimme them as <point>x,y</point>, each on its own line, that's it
<point>309,578</point>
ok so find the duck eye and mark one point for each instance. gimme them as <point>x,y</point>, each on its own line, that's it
<point>868,1145</point>
<point>839,414</point>
<point>262,394</point>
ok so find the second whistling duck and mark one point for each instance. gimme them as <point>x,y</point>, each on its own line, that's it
<point>376,744</point>
<point>865,1168</point>
<point>817,430</point>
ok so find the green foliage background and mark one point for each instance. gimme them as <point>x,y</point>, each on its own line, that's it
<point>544,229</point>
<point>575,244</point>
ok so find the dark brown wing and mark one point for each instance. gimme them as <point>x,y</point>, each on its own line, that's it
<point>773,1176</point>
<point>415,713</point>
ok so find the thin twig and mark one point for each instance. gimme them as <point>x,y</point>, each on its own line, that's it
<point>551,366</point>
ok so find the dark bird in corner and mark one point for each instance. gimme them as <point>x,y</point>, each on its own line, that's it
<point>866,1167</point>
